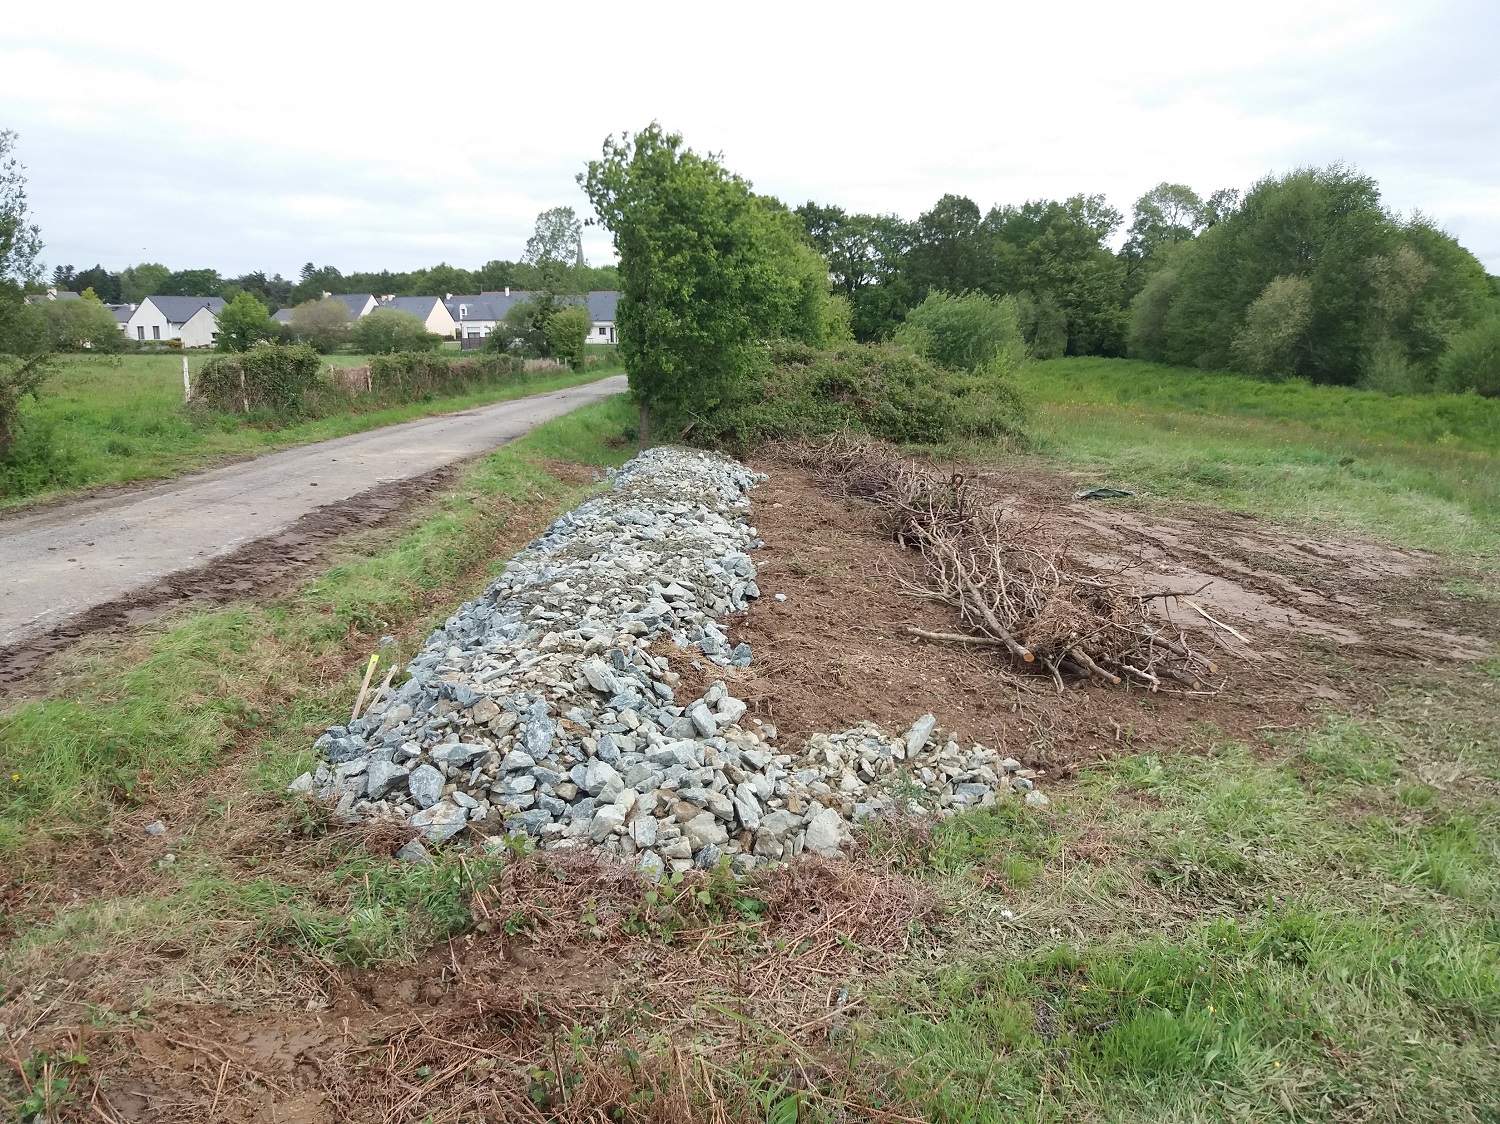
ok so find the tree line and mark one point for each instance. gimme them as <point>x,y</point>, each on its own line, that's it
<point>553,261</point>
<point>1306,274</point>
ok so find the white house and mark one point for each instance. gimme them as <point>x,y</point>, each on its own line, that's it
<point>193,320</point>
<point>430,310</point>
<point>477,316</point>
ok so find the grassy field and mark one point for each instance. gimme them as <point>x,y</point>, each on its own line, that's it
<point>116,419</point>
<point>1418,471</point>
<point>1301,925</point>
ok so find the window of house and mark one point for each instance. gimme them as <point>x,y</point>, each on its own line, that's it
<point>140,331</point>
<point>463,310</point>
<point>156,331</point>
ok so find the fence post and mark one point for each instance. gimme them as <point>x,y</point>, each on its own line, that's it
<point>187,386</point>
<point>244,398</point>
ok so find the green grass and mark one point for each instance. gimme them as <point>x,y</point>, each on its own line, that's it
<point>1267,935</point>
<point>115,419</point>
<point>150,717</point>
<point>1419,471</point>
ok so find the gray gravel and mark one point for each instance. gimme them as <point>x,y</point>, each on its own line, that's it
<point>549,705</point>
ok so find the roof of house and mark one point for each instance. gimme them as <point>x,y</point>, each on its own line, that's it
<point>179,310</point>
<point>282,315</point>
<point>602,304</point>
<point>420,307</point>
<point>122,311</point>
<point>52,295</point>
<point>357,302</point>
<point>493,306</point>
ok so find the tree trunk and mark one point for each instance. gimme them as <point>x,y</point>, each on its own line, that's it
<point>644,437</point>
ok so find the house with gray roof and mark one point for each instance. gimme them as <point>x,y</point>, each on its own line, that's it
<point>477,316</point>
<point>193,320</point>
<point>432,311</point>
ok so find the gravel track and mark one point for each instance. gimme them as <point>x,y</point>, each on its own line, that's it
<point>59,562</point>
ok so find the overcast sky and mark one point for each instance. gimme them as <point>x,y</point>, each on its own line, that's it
<point>372,136</point>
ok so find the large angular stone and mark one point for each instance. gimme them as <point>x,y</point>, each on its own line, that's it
<point>705,829</point>
<point>439,822</point>
<point>426,785</point>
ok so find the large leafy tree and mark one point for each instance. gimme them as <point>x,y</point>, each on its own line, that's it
<point>707,269</point>
<point>557,239</point>
<point>950,250</point>
<point>1055,253</point>
<point>323,323</point>
<point>866,259</point>
<point>137,282</point>
<point>21,345</point>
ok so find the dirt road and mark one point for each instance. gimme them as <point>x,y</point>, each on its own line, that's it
<point>60,562</point>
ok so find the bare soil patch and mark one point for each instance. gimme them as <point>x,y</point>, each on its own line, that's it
<point>1329,621</point>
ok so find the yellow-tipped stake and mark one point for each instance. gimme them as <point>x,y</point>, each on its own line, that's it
<point>365,686</point>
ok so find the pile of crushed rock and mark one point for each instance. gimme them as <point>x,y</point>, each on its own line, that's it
<point>549,706</point>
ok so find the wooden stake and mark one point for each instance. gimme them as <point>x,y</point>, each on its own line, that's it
<point>365,686</point>
<point>187,386</point>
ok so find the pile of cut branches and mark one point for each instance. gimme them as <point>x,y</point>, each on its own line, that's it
<point>1011,580</point>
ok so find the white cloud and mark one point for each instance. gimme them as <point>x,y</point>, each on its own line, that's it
<point>391,137</point>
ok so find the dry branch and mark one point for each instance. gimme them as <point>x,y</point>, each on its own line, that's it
<point>1012,580</point>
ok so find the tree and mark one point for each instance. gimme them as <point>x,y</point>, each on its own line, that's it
<point>21,348</point>
<point>702,271</point>
<point>106,285</point>
<point>1056,252</point>
<point>523,330</point>
<point>950,250</point>
<point>193,283</point>
<point>566,332</point>
<point>20,238</point>
<point>243,322</point>
<point>314,282</point>
<point>322,323</point>
<point>137,282</point>
<point>557,240</point>
<point>386,331</point>
<point>1169,212</point>
<point>866,259</point>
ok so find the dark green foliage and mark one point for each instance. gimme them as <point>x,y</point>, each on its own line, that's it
<point>75,325</point>
<point>707,269</point>
<point>386,331</point>
<point>1472,361</point>
<point>1363,284</point>
<point>1056,252</point>
<point>269,378</point>
<point>866,265</point>
<point>883,390</point>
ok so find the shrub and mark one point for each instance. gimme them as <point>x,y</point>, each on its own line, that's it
<point>78,325</point>
<point>1273,341</point>
<point>967,333</point>
<point>410,375</point>
<point>322,323</point>
<point>1472,361</point>
<point>389,330</point>
<point>566,331</point>
<point>882,389</point>
<point>267,377</point>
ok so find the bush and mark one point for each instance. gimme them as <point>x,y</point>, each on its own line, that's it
<point>972,332</point>
<point>409,375</point>
<point>566,331</point>
<point>322,323</point>
<point>1472,361</point>
<point>386,331</point>
<point>78,325</point>
<point>267,377</point>
<point>881,389</point>
<point>243,322</point>
<point>35,461</point>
